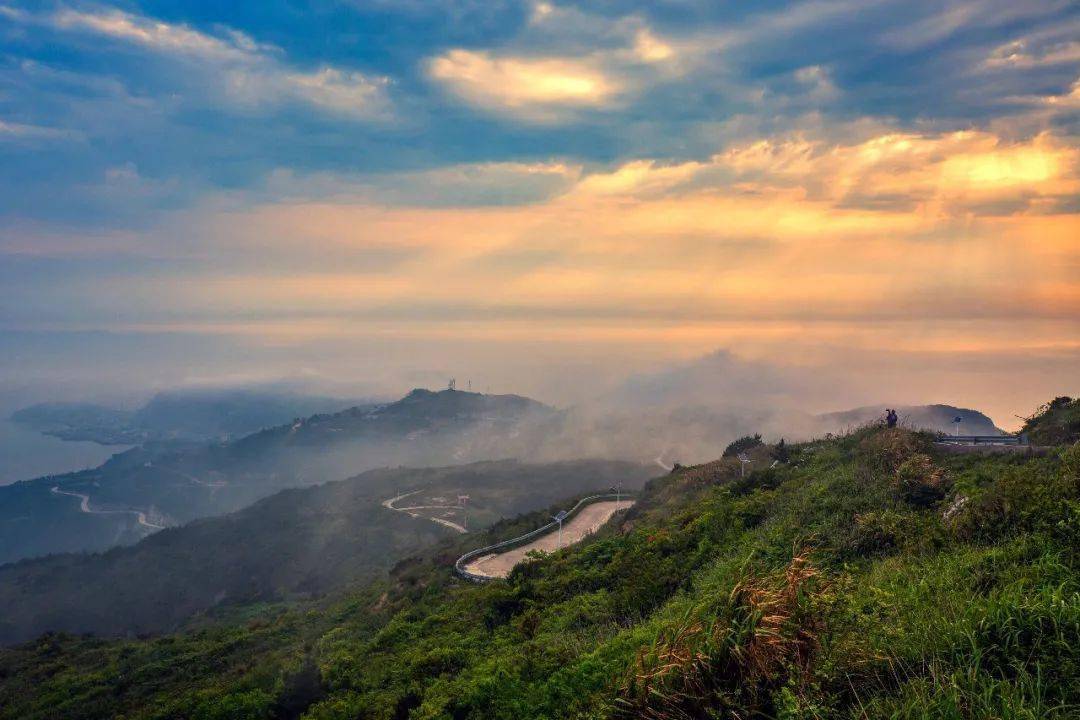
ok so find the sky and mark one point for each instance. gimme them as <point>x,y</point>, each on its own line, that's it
<point>546,198</point>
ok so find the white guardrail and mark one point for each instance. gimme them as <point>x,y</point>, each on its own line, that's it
<point>459,566</point>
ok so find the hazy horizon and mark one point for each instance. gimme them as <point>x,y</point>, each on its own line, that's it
<point>873,203</point>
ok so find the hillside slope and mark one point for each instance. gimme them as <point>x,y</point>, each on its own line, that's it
<point>866,577</point>
<point>1056,422</point>
<point>938,418</point>
<point>173,483</point>
<point>298,543</point>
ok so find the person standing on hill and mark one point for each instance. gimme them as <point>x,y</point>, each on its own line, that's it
<point>890,417</point>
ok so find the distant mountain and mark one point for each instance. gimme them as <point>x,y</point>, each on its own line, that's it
<point>164,484</point>
<point>81,421</point>
<point>297,543</point>
<point>193,414</point>
<point>719,379</point>
<point>938,418</point>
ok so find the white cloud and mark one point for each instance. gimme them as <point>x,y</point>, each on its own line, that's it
<point>21,131</point>
<point>968,14</point>
<point>818,83</point>
<point>533,88</point>
<point>1018,54</point>
<point>157,35</point>
<point>338,91</point>
<point>246,71</point>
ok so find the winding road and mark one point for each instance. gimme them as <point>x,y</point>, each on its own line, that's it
<point>576,529</point>
<point>84,506</point>
<point>389,505</point>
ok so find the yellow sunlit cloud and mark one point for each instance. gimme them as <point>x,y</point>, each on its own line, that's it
<point>524,86</point>
<point>773,233</point>
<point>650,48</point>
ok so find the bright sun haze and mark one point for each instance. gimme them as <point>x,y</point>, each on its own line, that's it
<point>545,197</point>
<point>539,359</point>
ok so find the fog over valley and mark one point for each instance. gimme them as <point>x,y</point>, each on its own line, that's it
<point>539,359</point>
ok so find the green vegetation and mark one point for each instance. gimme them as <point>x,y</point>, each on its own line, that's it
<point>742,444</point>
<point>868,577</point>
<point>1056,423</point>
<point>176,482</point>
<point>297,544</point>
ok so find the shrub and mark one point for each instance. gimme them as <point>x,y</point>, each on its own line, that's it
<point>781,453</point>
<point>765,637</point>
<point>886,450</point>
<point>879,532</point>
<point>1025,498</point>
<point>746,442</point>
<point>919,481</point>
<point>1056,423</point>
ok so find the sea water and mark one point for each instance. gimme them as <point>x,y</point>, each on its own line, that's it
<point>26,453</point>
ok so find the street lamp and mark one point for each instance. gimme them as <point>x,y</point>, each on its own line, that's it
<point>462,500</point>
<point>559,518</point>
<point>956,421</point>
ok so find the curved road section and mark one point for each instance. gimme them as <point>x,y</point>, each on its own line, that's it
<point>411,510</point>
<point>84,506</point>
<point>497,561</point>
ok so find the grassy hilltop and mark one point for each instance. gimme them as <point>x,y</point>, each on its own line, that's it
<point>862,576</point>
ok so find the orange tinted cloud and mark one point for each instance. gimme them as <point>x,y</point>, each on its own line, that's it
<point>916,228</point>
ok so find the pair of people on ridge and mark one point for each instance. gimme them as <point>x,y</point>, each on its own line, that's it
<point>890,417</point>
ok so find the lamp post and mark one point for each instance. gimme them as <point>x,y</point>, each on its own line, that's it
<point>956,421</point>
<point>462,502</point>
<point>559,518</point>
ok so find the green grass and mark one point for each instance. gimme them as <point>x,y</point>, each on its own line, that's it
<point>827,587</point>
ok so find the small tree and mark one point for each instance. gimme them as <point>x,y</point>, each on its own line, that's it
<point>781,453</point>
<point>742,444</point>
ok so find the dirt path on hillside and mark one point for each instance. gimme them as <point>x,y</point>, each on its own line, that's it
<point>586,522</point>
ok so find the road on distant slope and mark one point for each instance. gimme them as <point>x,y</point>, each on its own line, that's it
<point>84,506</point>
<point>576,529</point>
<point>389,504</point>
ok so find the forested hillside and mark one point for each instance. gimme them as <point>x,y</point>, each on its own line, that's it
<point>165,484</point>
<point>863,576</point>
<point>299,543</point>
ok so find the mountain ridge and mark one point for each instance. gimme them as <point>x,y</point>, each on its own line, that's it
<point>298,543</point>
<point>862,575</point>
<point>181,481</point>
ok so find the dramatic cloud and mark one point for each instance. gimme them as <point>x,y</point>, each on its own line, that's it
<point>249,72</point>
<point>896,226</point>
<point>885,187</point>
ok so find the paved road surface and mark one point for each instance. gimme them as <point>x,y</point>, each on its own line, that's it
<point>389,505</point>
<point>586,522</point>
<point>84,506</point>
